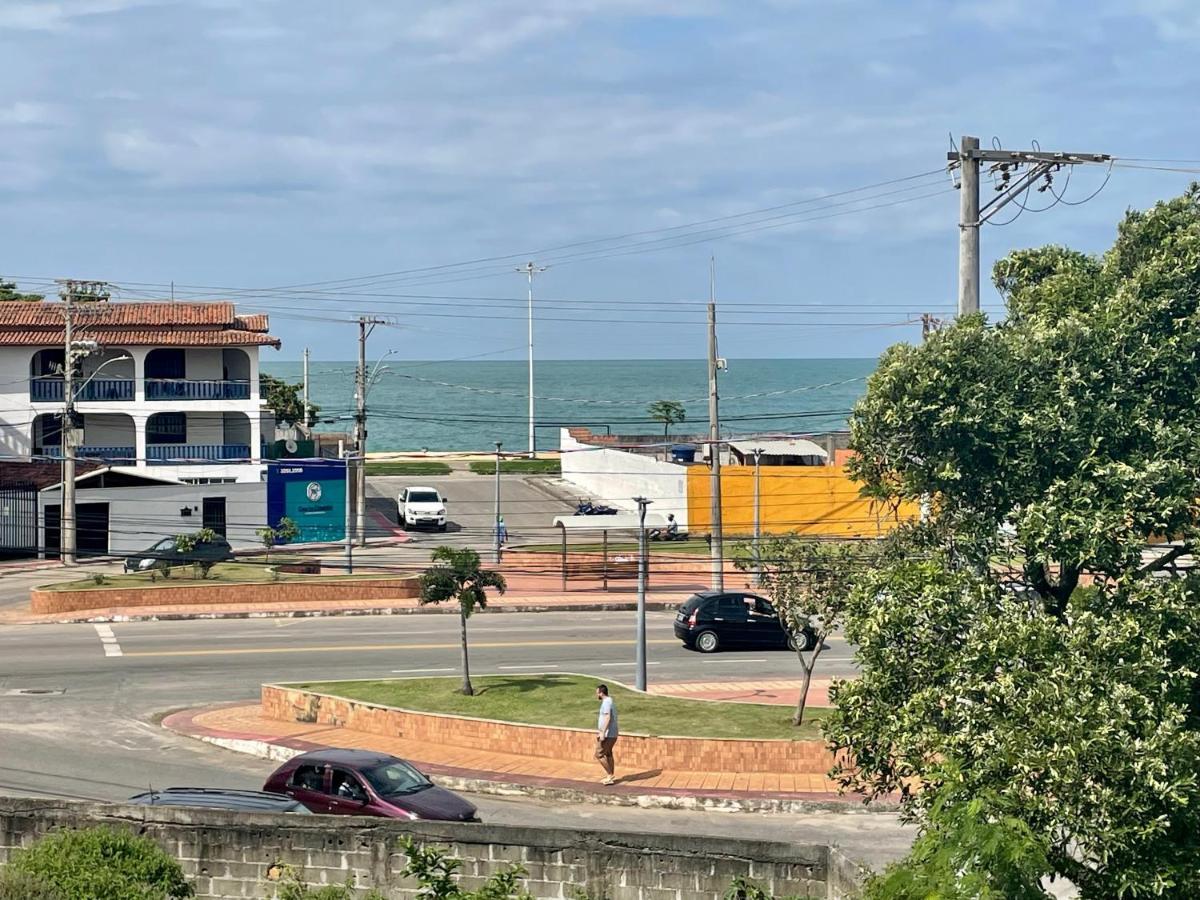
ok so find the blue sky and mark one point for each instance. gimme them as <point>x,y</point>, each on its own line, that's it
<point>236,144</point>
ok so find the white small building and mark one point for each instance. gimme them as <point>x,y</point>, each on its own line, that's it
<point>171,390</point>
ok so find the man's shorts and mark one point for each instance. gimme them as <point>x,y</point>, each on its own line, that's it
<point>604,748</point>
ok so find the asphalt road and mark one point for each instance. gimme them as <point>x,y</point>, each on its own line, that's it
<point>94,735</point>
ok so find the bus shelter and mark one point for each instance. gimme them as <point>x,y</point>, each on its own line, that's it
<point>625,525</point>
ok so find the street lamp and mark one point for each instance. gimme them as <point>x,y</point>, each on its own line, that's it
<point>640,675</point>
<point>530,270</point>
<point>757,513</point>
<point>496,524</point>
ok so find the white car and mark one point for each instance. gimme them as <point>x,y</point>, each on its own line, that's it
<point>418,507</point>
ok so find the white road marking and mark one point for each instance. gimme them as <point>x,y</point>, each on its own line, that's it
<point>409,671</point>
<point>528,668</point>
<point>108,640</point>
<point>625,665</point>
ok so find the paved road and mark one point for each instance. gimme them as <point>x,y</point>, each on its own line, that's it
<point>98,738</point>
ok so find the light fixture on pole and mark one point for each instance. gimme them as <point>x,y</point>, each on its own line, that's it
<point>530,270</point>
<point>496,524</point>
<point>640,674</point>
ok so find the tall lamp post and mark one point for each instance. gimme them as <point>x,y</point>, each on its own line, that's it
<point>640,675</point>
<point>530,270</point>
<point>496,524</point>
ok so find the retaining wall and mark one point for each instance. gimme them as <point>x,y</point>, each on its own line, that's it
<point>639,752</point>
<point>229,854</point>
<point>166,594</point>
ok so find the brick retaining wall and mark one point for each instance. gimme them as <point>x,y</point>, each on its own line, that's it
<point>683,754</point>
<point>165,594</point>
<point>226,854</point>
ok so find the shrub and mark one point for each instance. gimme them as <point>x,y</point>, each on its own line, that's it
<point>16,885</point>
<point>100,864</point>
<point>99,579</point>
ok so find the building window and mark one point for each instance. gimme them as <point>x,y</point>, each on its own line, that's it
<point>167,428</point>
<point>209,480</point>
<point>167,363</point>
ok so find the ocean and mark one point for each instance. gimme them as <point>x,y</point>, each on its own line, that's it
<point>470,405</point>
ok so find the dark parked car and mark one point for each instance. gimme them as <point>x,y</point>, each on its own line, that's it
<point>712,620</point>
<point>366,783</point>
<point>165,554</point>
<point>220,798</point>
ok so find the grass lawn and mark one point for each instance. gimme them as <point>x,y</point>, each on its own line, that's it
<point>518,467</point>
<point>221,573</point>
<point>570,701</point>
<point>667,548</point>
<point>408,468</point>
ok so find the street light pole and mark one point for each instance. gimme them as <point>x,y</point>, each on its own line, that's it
<point>530,270</point>
<point>496,524</point>
<point>349,537</point>
<point>640,675</point>
<point>757,512</point>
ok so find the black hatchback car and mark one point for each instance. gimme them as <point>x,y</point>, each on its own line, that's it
<point>165,554</point>
<point>713,620</point>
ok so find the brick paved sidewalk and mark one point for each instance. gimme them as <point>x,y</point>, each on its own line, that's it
<point>785,692</point>
<point>242,727</point>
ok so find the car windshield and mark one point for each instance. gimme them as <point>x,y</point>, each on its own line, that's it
<point>164,544</point>
<point>424,497</point>
<point>396,778</point>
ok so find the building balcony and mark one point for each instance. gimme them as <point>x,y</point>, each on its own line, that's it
<point>50,390</point>
<point>177,454</point>
<point>192,389</point>
<point>125,455</point>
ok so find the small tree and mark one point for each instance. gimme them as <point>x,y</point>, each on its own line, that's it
<point>669,412</point>
<point>186,543</point>
<point>285,531</point>
<point>809,582</point>
<point>457,575</point>
<point>285,400</point>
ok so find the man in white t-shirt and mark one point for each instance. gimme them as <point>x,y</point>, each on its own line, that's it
<point>606,733</point>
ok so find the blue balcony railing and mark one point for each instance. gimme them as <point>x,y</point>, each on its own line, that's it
<point>184,453</point>
<point>87,451</point>
<point>50,390</point>
<point>188,389</point>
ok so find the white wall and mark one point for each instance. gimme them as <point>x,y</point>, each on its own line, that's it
<point>139,516</point>
<point>16,412</point>
<point>111,430</point>
<point>616,477</point>
<point>204,365</point>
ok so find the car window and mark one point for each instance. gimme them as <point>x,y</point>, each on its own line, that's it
<point>311,778</point>
<point>345,784</point>
<point>731,608</point>
<point>760,607</point>
<point>424,497</point>
<point>692,603</point>
<point>396,778</point>
<point>165,544</point>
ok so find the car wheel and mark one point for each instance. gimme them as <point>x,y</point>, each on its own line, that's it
<point>707,642</point>
<point>442,527</point>
<point>400,519</point>
<point>802,641</point>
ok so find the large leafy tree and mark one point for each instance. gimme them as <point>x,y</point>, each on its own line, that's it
<point>457,576</point>
<point>286,399</point>
<point>9,292</point>
<point>1024,636</point>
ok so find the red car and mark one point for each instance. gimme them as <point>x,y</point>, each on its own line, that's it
<point>366,783</point>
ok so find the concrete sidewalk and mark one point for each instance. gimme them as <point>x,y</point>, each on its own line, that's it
<point>242,728</point>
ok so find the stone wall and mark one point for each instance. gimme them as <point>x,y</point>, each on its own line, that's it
<point>46,602</point>
<point>683,754</point>
<point>237,855</point>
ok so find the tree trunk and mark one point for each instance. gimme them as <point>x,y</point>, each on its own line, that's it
<point>466,663</point>
<point>802,701</point>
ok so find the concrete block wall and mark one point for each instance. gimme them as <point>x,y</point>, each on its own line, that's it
<point>232,855</point>
<point>617,476</point>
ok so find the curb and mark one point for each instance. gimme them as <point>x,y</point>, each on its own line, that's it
<point>100,618</point>
<point>457,780</point>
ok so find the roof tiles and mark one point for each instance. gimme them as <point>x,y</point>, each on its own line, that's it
<point>163,324</point>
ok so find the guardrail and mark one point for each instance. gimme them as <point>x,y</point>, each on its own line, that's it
<point>190,389</point>
<point>50,390</point>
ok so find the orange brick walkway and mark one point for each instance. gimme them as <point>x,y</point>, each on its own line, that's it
<point>784,692</point>
<point>244,722</point>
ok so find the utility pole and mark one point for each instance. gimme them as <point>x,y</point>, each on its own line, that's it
<point>716,548</point>
<point>757,514</point>
<point>640,674</point>
<point>496,524</point>
<point>929,324</point>
<point>1028,167</point>
<point>307,423</point>
<point>530,270</point>
<point>349,536</point>
<point>69,291</point>
<point>366,325</point>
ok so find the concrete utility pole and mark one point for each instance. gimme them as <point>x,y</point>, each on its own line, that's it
<point>1028,167</point>
<point>307,423</point>
<point>717,547</point>
<point>366,325</point>
<point>349,536</point>
<point>530,270</point>
<point>496,524</point>
<point>640,674</point>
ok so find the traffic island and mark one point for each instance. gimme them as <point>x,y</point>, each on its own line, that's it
<point>729,756</point>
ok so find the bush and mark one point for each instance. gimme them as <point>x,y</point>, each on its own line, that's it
<point>16,885</point>
<point>99,864</point>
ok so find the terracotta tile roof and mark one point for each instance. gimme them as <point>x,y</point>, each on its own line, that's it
<point>136,324</point>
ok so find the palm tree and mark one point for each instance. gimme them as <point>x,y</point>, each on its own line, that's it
<point>457,575</point>
<point>668,412</point>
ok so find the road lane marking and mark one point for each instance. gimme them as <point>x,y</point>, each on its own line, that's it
<point>368,648</point>
<point>108,640</point>
<point>625,665</point>
<point>530,668</point>
<point>408,671</point>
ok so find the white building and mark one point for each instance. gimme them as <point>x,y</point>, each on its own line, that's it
<point>172,389</point>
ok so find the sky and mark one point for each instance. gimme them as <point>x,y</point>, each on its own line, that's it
<point>293,156</point>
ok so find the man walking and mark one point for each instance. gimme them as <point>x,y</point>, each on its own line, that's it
<point>606,733</point>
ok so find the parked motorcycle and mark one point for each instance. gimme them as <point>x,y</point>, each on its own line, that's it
<point>588,508</point>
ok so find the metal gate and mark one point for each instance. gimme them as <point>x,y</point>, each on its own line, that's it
<point>18,522</point>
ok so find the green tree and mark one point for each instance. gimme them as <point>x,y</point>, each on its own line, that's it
<point>285,531</point>
<point>458,576</point>
<point>9,292</point>
<point>669,412</point>
<point>186,543</point>
<point>809,582</point>
<point>286,400</point>
<point>1025,633</point>
<point>99,864</point>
